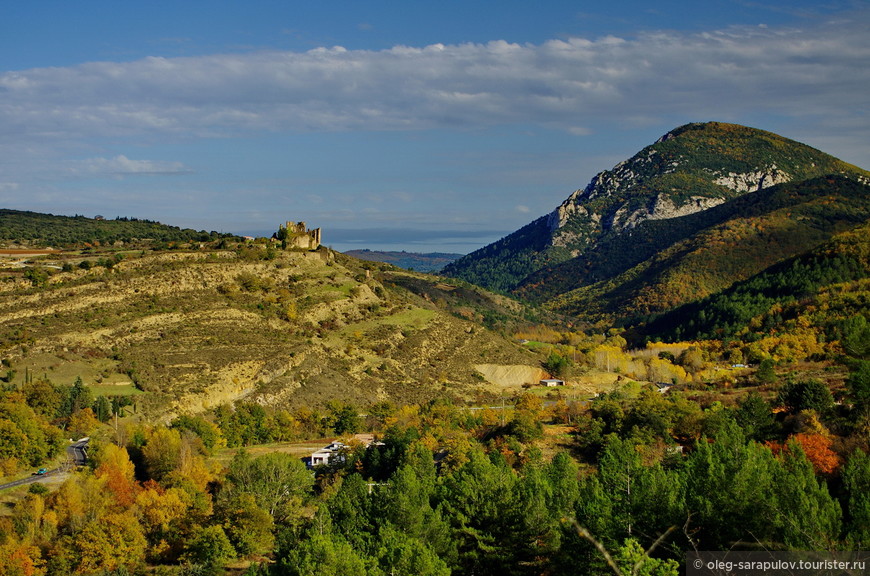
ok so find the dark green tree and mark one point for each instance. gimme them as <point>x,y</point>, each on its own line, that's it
<point>556,364</point>
<point>209,433</point>
<point>765,373</point>
<point>627,498</point>
<point>858,384</point>
<point>320,553</point>
<point>400,553</point>
<point>344,418</point>
<point>755,417</point>
<point>351,510</point>
<point>856,484</point>
<point>808,517</point>
<point>730,490</point>
<point>246,524</point>
<point>856,336</point>
<point>278,482</point>
<point>210,548</point>
<point>102,409</point>
<point>479,502</point>
<point>805,395</point>
<point>78,396</point>
<point>406,504</point>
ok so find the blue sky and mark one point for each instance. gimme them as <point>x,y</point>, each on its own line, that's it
<point>397,125</point>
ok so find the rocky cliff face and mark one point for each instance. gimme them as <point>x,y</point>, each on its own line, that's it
<point>650,186</point>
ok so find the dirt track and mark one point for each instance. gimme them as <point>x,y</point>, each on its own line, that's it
<point>22,252</point>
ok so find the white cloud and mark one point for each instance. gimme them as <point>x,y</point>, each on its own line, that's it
<point>576,83</point>
<point>121,165</point>
<point>523,209</point>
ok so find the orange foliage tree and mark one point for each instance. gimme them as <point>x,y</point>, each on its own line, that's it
<point>816,447</point>
<point>118,471</point>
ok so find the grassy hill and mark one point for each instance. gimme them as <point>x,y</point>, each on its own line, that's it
<point>196,328</point>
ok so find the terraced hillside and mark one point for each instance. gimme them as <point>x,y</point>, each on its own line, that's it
<point>193,329</point>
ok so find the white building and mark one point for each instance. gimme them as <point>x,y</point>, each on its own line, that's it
<point>325,454</point>
<point>549,382</point>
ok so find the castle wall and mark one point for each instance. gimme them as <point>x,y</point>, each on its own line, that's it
<point>300,237</point>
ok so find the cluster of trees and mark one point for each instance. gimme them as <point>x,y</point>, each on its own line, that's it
<point>569,354</point>
<point>51,230</point>
<point>247,424</point>
<point>27,438</point>
<point>449,490</point>
<point>37,419</point>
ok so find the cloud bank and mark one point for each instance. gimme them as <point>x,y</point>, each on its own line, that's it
<point>121,165</point>
<point>574,84</point>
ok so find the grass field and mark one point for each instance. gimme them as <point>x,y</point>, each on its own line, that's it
<point>115,389</point>
<point>300,449</point>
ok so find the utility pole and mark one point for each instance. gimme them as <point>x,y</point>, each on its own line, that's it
<point>502,408</point>
<point>628,492</point>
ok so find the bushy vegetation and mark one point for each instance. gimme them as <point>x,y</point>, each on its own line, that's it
<point>35,229</point>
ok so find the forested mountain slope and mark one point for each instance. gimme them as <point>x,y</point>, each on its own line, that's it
<point>823,291</point>
<point>679,262</point>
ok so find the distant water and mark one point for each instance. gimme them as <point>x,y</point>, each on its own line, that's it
<point>398,240</point>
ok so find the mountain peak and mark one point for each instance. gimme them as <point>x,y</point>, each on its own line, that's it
<point>689,170</point>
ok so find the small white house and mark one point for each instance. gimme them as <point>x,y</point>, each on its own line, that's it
<point>550,382</point>
<point>663,387</point>
<point>325,454</point>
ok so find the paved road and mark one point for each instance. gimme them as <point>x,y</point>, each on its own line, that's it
<point>77,455</point>
<point>78,452</point>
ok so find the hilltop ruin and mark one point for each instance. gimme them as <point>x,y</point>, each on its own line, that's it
<point>297,235</point>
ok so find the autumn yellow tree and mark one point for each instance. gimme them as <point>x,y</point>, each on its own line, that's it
<point>20,559</point>
<point>160,510</point>
<point>119,473</point>
<point>82,423</point>
<point>110,542</point>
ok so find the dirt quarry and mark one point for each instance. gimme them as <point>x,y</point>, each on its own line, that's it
<point>510,376</point>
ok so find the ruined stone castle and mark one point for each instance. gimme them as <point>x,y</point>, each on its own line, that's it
<point>297,235</point>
